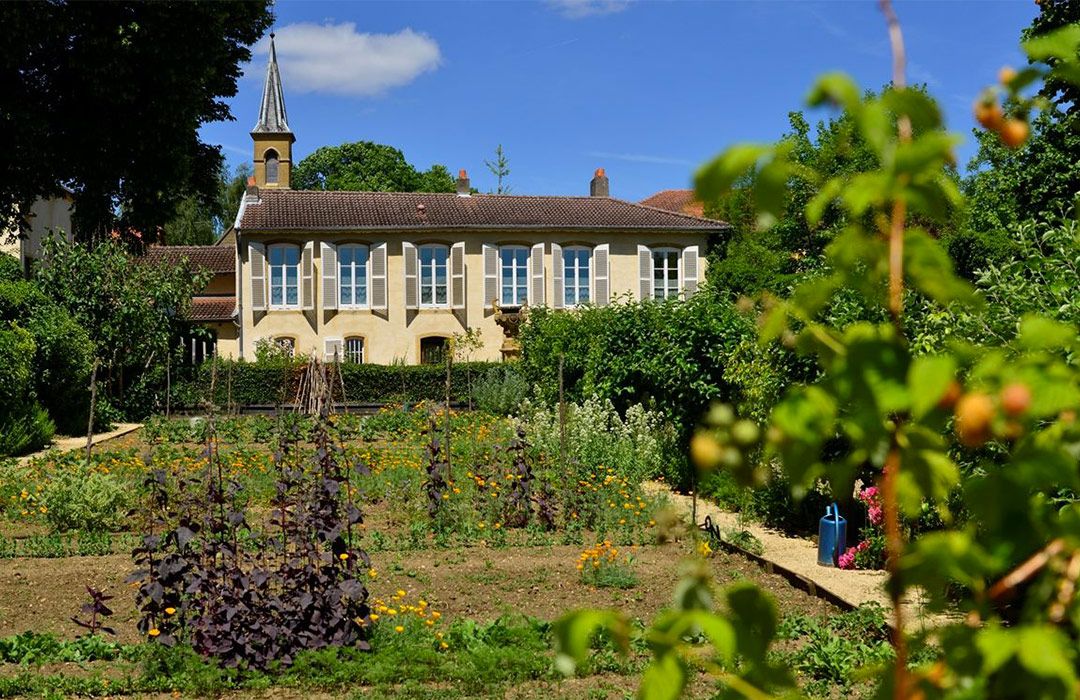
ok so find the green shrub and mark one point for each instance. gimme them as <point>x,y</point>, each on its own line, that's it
<point>10,268</point>
<point>85,500</point>
<point>25,430</point>
<point>500,390</point>
<point>24,425</point>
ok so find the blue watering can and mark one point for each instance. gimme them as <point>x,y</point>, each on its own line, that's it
<point>832,536</point>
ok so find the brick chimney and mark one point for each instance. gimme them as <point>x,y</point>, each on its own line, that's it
<point>463,189</point>
<point>598,186</point>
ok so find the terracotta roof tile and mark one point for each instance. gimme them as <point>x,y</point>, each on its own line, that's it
<point>317,210</point>
<point>212,308</point>
<point>215,258</point>
<point>681,201</point>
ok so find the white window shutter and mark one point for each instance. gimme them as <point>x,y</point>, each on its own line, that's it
<point>558,275</point>
<point>333,349</point>
<point>690,269</point>
<point>377,276</point>
<point>601,291</point>
<point>257,261</point>
<point>457,275</point>
<point>307,288</point>
<point>329,264</point>
<point>412,278</point>
<point>536,275</point>
<point>491,274</point>
<point>645,272</point>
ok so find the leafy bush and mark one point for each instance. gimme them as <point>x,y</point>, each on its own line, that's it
<point>85,500</point>
<point>639,446</point>
<point>24,424</point>
<point>501,390</point>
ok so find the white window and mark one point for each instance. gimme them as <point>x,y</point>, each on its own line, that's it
<point>665,273</point>
<point>354,350</point>
<point>433,275</point>
<point>514,276</point>
<point>284,276</point>
<point>576,277</point>
<point>352,275</point>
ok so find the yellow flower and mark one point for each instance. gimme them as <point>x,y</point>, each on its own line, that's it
<point>400,593</point>
<point>154,632</point>
<point>170,611</point>
<point>372,573</point>
<point>444,645</point>
<point>343,556</point>
<point>373,617</point>
<point>399,629</point>
<point>435,614</point>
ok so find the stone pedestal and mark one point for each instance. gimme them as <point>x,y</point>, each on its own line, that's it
<point>510,319</point>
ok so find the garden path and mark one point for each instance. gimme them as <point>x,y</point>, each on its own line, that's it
<point>796,558</point>
<point>63,444</point>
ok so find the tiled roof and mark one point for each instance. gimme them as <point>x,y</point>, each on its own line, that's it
<point>212,308</point>
<point>218,259</point>
<point>318,210</point>
<point>681,201</point>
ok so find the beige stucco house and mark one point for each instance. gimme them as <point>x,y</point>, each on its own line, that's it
<point>387,277</point>
<point>51,216</point>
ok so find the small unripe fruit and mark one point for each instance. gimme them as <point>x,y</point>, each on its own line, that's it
<point>1067,417</point>
<point>745,433</point>
<point>705,452</point>
<point>732,458</point>
<point>1015,399</point>
<point>1013,430</point>
<point>1006,75</point>
<point>1014,132</point>
<point>951,395</point>
<point>989,114</point>
<point>974,413</point>
<point>721,415</point>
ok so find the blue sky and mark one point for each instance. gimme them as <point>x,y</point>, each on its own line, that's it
<point>647,90</point>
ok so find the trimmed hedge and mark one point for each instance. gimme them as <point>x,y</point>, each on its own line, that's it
<point>266,384</point>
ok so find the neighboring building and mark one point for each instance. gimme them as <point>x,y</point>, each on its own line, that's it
<point>383,276</point>
<point>47,216</point>
<point>679,201</point>
<point>215,306</point>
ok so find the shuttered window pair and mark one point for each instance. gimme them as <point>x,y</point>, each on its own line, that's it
<point>353,276</point>
<point>666,273</point>
<point>581,275</point>
<point>434,276</point>
<point>348,350</point>
<point>281,276</point>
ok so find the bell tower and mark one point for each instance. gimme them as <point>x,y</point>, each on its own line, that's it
<point>272,136</point>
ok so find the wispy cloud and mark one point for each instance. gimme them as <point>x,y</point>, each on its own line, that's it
<point>337,59</point>
<point>642,158</point>
<point>576,9</point>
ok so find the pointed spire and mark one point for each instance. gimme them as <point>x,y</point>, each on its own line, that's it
<point>272,118</point>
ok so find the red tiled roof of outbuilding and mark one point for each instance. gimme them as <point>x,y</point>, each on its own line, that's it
<point>681,201</point>
<point>218,259</point>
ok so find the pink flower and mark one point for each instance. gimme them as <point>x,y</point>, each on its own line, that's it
<point>868,495</point>
<point>847,559</point>
<point>877,515</point>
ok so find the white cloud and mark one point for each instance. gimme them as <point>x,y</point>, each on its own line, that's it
<point>337,59</point>
<point>641,158</point>
<point>576,9</point>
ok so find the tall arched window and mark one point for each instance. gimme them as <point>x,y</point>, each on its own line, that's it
<point>514,263</point>
<point>576,275</point>
<point>284,276</point>
<point>433,283</point>
<point>271,159</point>
<point>352,275</point>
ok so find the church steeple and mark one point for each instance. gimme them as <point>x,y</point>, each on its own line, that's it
<point>272,136</point>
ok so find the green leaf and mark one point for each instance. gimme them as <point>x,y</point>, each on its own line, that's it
<point>815,208</point>
<point>928,378</point>
<point>1061,44</point>
<point>714,179</point>
<point>1045,651</point>
<point>664,679</point>
<point>930,269</point>
<point>835,88</point>
<point>920,108</point>
<point>1041,333</point>
<point>574,633</point>
<point>753,616</point>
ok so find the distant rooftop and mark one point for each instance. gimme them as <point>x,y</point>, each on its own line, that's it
<point>318,210</point>
<point>681,201</point>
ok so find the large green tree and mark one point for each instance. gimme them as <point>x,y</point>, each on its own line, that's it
<point>367,167</point>
<point>108,98</point>
<point>200,223</point>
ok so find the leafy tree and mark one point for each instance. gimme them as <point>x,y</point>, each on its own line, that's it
<point>367,167</point>
<point>500,168</point>
<point>133,311</point>
<point>199,223</point>
<point>108,97</point>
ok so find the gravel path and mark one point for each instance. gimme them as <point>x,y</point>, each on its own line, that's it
<point>63,444</point>
<point>799,556</point>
